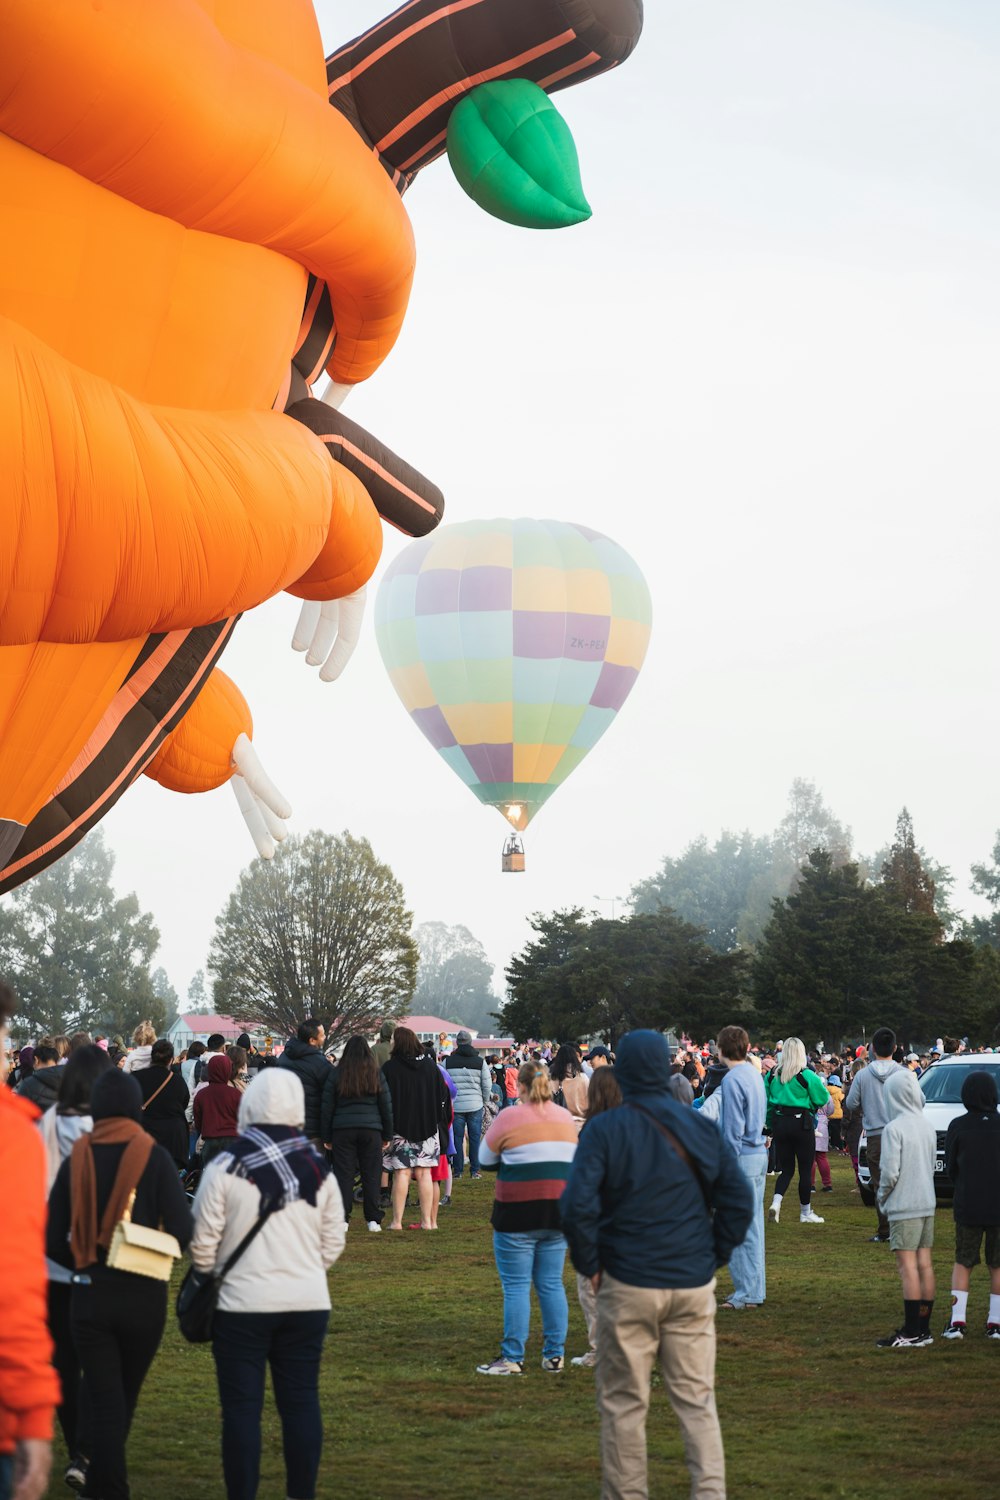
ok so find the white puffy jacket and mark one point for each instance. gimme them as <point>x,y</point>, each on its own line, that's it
<point>284,1270</point>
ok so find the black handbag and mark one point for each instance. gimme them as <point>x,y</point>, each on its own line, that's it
<point>199,1293</point>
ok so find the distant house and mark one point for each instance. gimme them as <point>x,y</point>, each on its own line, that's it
<point>429,1028</point>
<point>191,1027</point>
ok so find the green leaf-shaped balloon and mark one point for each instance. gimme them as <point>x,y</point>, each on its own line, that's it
<point>513,153</point>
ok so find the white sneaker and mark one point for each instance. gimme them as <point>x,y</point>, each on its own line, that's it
<point>585,1361</point>
<point>500,1366</point>
<point>374,1227</point>
<point>774,1212</point>
<point>808,1217</point>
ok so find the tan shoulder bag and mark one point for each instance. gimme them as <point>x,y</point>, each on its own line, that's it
<point>144,1252</point>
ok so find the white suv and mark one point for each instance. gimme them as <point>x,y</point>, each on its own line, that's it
<point>942,1090</point>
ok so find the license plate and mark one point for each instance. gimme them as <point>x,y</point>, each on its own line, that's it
<point>939,1164</point>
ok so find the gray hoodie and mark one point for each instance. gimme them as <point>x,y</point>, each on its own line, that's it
<point>868,1092</point>
<point>906,1189</point>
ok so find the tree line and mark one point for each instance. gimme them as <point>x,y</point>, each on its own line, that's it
<point>791,932</point>
<point>786,934</point>
<point>322,929</point>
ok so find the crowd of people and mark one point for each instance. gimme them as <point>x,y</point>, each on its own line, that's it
<point>647,1166</point>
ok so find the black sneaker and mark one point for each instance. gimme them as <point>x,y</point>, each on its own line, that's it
<point>900,1340</point>
<point>993,1331</point>
<point>828,1189</point>
<point>954,1331</point>
<point>879,1239</point>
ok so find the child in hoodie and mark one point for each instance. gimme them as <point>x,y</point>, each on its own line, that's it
<point>836,1089</point>
<point>972,1161</point>
<point>906,1198</point>
<point>216,1108</point>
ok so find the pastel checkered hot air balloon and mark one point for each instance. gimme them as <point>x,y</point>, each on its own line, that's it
<point>513,644</point>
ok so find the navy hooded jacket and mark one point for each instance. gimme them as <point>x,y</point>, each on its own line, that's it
<point>632,1206</point>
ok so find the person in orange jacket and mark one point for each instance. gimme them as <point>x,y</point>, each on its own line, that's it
<point>29,1388</point>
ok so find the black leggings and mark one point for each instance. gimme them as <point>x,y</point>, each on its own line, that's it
<point>795,1147</point>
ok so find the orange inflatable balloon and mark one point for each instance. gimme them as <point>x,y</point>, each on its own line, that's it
<point>153,488</point>
<point>198,223</point>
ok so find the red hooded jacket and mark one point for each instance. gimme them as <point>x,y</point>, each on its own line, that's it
<point>217,1105</point>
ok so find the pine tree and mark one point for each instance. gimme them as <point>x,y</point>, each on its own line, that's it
<point>903,875</point>
<point>197,995</point>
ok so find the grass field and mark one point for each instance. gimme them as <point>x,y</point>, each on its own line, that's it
<point>810,1409</point>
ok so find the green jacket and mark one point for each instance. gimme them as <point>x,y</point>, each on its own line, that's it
<point>792,1095</point>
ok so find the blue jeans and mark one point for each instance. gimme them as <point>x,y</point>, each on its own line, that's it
<point>244,1344</point>
<point>6,1475</point>
<point>535,1256</point>
<point>746,1264</point>
<point>472,1118</point>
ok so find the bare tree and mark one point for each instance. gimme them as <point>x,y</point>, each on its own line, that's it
<point>321,930</point>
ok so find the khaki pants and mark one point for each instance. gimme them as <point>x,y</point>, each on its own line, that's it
<point>634,1325</point>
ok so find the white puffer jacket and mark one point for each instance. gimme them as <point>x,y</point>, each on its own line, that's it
<point>141,1058</point>
<point>285,1268</point>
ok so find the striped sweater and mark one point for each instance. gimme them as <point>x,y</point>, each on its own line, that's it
<point>530,1147</point>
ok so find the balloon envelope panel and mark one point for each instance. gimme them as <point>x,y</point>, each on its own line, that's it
<point>512,645</point>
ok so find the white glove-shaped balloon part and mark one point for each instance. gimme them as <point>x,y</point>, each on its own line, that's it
<point>329,633</point>
<point>264,808</point>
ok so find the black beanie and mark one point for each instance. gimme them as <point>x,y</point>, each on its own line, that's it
<point>244,1042</point>
<point>116,1095</point>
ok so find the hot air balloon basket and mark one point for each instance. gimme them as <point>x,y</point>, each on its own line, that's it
<point>512,859</point>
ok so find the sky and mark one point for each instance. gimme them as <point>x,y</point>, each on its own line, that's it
<point>767,367</point>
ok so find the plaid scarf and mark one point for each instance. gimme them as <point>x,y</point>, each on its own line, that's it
<point>279,1160</point>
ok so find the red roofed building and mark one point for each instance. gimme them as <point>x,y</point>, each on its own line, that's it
<point>429,1028</point>
<point>193,1027</point>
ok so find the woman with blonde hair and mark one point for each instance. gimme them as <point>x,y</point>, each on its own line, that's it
<point>794,1094</point>
<point>531,1149</point>
<point>141,1056</point>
